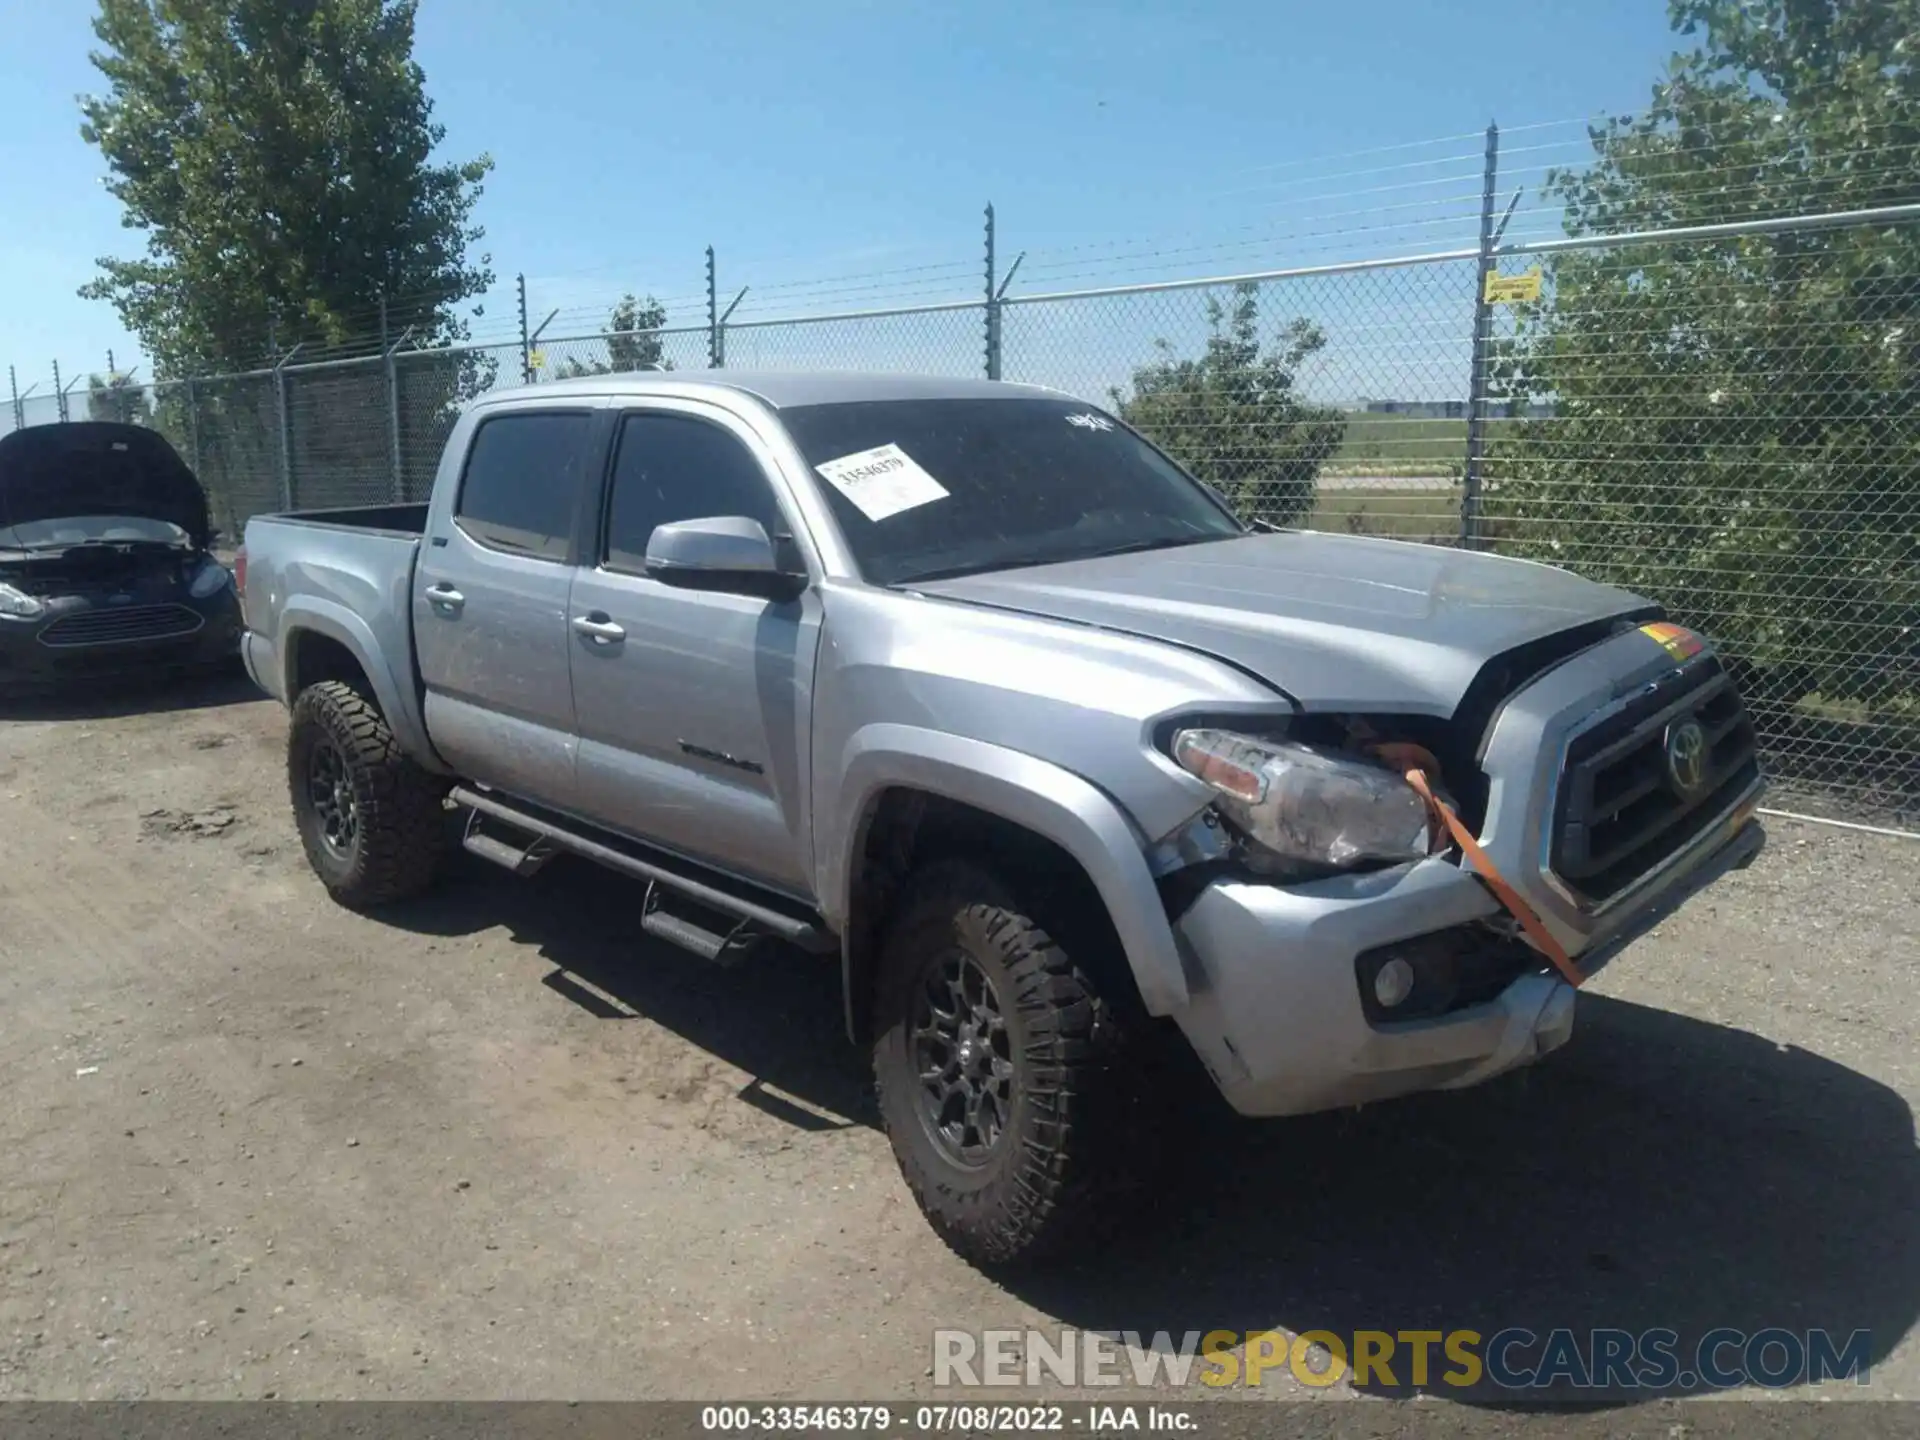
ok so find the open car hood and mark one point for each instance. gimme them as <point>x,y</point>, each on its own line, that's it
<point>53,472</point>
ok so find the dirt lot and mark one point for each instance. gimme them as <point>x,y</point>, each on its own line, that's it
<point>494,1145</point>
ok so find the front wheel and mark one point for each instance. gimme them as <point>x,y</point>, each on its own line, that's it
<point>372,822</point>
<point>991,1060</point>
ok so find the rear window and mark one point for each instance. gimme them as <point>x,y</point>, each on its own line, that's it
<point>522,482</point>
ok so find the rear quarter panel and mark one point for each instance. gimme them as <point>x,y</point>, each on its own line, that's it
<point>354,586</point>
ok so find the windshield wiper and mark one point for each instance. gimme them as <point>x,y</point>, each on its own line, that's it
<point>1029,562</point>
<point>1163,542</point>
<point>955,572</point>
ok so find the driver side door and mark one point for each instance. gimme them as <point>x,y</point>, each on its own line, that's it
<point>693,706</point>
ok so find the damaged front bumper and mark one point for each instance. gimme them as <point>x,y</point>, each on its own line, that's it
<point>1279,1016</point>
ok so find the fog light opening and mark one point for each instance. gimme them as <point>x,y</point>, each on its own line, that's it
<point>1393,983</point>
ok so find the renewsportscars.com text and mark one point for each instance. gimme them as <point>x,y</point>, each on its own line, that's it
<point>1510,1359</point>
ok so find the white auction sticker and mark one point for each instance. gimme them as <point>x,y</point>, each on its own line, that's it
<point>882,481</point>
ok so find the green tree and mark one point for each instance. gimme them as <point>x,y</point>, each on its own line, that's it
<point>1234,416</point>
<point>633,341</point>
<point>118,399</point>
<point>1737,426</point>
<point>278,156</point>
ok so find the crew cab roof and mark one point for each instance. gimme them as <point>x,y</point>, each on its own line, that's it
<point>782,390</point>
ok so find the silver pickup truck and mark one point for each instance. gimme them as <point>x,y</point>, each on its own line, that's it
<point>970,687</point>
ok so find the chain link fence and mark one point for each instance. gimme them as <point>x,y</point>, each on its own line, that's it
<point>1726,419</point>
<point>1732,425</point>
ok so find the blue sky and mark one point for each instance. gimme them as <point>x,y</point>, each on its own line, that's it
<point>838,138</point>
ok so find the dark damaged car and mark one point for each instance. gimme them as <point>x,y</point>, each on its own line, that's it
<point>106,563</point>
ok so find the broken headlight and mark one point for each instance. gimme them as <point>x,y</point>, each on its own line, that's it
<point>18,605</point>
<point>210,579</point>
<point>1302,805</point>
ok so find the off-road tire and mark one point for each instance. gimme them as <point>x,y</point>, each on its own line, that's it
<point>398,843</point>
<point>1029,1199</point>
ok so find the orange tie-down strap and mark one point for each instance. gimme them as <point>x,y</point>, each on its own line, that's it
<point>1496,882</point>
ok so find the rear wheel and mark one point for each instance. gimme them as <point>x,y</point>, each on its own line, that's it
<point>372,822</point>
<point>992,1061</point>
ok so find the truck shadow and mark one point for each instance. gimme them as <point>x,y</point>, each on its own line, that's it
<point>775,1015</point>
<point>1660,1172</point>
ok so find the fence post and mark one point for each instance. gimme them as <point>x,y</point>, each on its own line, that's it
<point>720,329</point>
<point>1482,341</point>
<point>66,413</point>
<point>526,344</point>
<point>286,437</point>
<point>193,428</point>
<point>19,411</point>
<point>993,307</point>
<point>715,356</point>
<point>391,368</point>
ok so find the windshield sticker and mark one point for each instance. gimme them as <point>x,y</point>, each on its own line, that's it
<point>882,481</point>
<point>1090,421</point>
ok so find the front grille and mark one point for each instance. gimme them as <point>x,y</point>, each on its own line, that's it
<point>121,625</point>
<point>1620,812</point>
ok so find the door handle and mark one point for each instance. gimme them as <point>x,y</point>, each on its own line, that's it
<point>599,628</point>
<point>445,599</point>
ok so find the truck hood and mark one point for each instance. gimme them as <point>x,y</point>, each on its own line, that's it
<point>81,471</point>
<point>1336,622</point>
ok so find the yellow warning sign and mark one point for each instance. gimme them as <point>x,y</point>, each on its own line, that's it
<point>536,358</point>
<point>1512,289</point>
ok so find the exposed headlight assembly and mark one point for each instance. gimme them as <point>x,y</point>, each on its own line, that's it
<point>1302,806</point>
<point>210,579</point>
<point>18,605</point>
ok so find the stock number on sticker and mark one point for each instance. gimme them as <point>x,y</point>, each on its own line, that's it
<point>796,1417</point>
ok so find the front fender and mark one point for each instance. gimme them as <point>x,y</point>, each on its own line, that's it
<point>1032,793</point>
<point>392,689</point>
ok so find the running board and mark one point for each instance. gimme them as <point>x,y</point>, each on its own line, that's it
<point>523,858</point>
<point>750,918</point>
<point>724,947</point>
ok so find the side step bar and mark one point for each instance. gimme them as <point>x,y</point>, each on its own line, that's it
<point>521,859</point>
<point>721,947</point>
<point>751,919</point>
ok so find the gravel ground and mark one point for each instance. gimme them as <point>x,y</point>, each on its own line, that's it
<point>494,1145</point>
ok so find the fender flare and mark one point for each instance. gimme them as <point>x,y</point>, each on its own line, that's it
<point>1035,794</point>
<point>393,693</point>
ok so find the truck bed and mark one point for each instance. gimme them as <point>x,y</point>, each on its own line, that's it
<point>410,519</point>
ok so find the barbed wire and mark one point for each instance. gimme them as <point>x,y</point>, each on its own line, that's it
<point>1346,216</point>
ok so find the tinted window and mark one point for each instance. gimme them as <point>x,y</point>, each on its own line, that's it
<point>673,467</point>
<point>1026,482</point>
<point>522,482</point>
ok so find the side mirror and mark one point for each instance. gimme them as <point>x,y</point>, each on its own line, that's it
<point>729,553</point>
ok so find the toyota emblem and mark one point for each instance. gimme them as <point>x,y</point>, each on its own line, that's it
<point>1687,756</point>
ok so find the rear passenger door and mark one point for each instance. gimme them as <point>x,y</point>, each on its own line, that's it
<point>695,720</point>
<point>490,603</point>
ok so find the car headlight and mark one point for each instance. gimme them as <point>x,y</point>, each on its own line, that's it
<point>1304,805</point>
<point>211,578</point>
<point>19,605</point>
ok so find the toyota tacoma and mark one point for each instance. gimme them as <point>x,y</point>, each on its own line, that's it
<point>971,688</point>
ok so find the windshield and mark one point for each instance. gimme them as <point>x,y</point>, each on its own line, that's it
<point>80,529</point>
<point>931,488</point>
